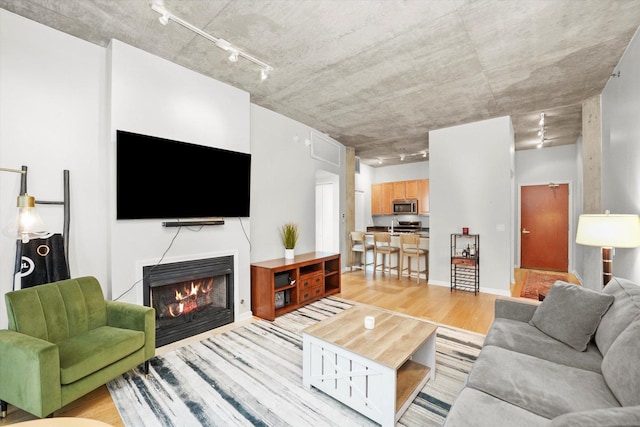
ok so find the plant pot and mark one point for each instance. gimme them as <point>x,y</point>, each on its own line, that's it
<point>289,253</point>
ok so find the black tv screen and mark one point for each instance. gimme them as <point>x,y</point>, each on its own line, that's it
<point>158,178</point>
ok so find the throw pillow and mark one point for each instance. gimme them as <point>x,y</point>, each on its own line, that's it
<point>571,313</point>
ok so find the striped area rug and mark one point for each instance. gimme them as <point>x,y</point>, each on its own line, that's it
<point>252,376</point>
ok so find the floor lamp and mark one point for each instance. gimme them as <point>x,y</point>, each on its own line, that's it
<point>608,231</point>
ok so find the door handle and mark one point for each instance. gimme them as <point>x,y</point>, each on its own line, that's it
<point>525,231</point>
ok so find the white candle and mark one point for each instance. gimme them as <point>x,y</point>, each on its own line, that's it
<point>369,322</point>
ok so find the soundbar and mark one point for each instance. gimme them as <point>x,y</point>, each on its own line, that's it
<point>193,223</point>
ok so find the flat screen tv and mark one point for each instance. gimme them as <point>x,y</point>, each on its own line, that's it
<point>158,178</point>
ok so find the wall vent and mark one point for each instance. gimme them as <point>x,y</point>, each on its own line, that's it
<point>357,165</point>
<point>324,148</point>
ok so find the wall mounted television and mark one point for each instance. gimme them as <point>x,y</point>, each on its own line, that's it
<point>159,178</point>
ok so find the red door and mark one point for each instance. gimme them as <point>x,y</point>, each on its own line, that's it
<point>544,218</point>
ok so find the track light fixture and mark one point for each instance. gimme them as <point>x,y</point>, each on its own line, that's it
<point>403,156</point>
<point>235,53</point>
<point>542,131</point>
<point>164,19</point>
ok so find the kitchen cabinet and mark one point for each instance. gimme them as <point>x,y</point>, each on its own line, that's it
<point>411,189</point>
<point>399,190</point>
<point>423,196</point>
<point>405,190</point>
<point>383,195</point>
<point>376,199</point>
<point>387,198</point>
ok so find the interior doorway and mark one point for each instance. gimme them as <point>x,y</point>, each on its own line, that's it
<point>359,211</point>
<point>327,212</point>
<point>544,227</point>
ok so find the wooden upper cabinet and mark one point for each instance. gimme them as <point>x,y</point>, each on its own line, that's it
<point>383,195</point>
<point>398,190</point>
<point>411,189</point>
<point>387,198</point>
<point>423,196</point>
<point>376,199</point>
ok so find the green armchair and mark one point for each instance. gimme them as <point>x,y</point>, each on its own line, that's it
<point>64,340</point>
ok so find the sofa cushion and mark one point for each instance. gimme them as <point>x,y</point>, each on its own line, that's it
<point>524,338</point>
<point>85,354</point>
<point>628,416</point>
<point>625,308</point>
<point>478,409</point>
<point>539,386</point>
<point>620,365</point>
<point>571,313</point>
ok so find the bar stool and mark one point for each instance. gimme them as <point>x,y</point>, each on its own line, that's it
<point>382,246</point>
<point>359,245</point>
<point>410,248</point>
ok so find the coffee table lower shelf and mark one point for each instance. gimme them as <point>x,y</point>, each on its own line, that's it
<point>411,379</point>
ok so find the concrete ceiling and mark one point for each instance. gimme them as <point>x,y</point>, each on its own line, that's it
<point>378,75</point>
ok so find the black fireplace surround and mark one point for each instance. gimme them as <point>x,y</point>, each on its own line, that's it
<point>190,297</point>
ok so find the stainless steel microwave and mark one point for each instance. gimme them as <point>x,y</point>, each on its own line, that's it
<point>405,206</point>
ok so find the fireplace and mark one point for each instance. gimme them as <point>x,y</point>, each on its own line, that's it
<point>190,297</point>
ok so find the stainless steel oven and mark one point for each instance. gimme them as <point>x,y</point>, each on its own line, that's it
<point>405,206</point>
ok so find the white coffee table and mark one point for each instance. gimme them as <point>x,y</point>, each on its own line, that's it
<point>378,372</point>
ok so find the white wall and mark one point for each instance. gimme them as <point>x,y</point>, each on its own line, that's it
<point>621,154</point>
<point>52,118</point>
<point>471,186</point>
<point>543,166</point>
<point>152,96</point>
<point>63,100</point>
<point>283,180</point>
<point>406,172</point>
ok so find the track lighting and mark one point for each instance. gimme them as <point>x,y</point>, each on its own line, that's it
<point>221,43</point>
<point>404,156</point>
<point>164,19</point>
<point>542,131</point>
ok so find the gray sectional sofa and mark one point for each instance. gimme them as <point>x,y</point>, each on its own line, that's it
<point>573,360</point>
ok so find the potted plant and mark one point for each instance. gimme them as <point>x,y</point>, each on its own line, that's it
<point>289,234</point>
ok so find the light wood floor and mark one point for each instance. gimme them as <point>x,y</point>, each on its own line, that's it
<point>435,303</point>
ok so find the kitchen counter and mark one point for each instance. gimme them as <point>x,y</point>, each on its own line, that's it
<point>424,232</point>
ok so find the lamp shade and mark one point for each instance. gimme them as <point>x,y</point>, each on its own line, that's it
<point>615,231</point>
<point>27,224</point>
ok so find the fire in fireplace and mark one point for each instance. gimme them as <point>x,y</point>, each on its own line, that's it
<point>189,297</point>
